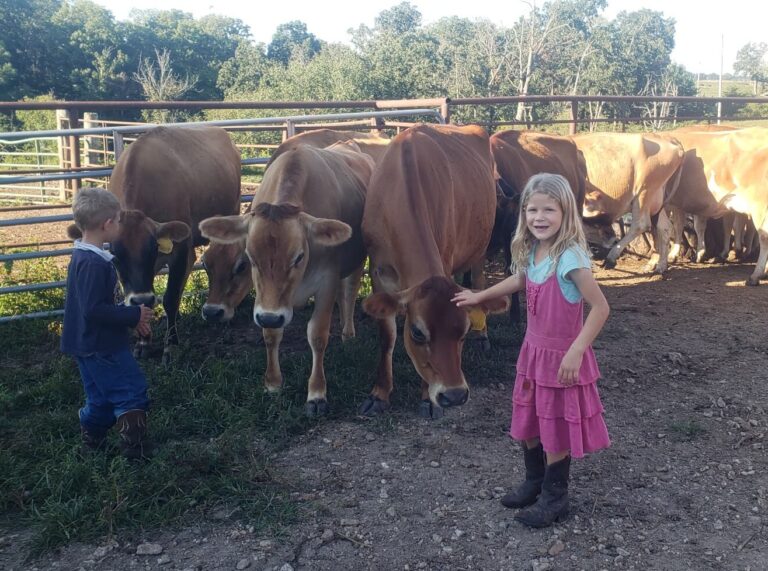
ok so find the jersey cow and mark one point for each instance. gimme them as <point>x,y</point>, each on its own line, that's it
<point>428,215</point>
<point>519,155</point>
<point>228,267</point>
<point>169,180</point>
<point>302,237</point>
<point>630,172</point>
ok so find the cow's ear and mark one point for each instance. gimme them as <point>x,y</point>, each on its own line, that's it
<point>175,231</point>
<point>225,229</point>
<point>74,232</point>
<point>324,231</point>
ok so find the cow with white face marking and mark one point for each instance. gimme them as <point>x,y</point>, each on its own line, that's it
<point>302,238</point>
<point>228,268</point>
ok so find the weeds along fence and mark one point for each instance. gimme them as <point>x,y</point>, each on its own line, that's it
<point>47,167</point>
<point>106,140</point>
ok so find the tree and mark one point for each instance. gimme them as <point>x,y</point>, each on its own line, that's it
<point>160,83</point>
<point>291,37</point>
<point>7,74</point>
<point>400,19</point>
<point>752,62</point>
<point>243,72</point>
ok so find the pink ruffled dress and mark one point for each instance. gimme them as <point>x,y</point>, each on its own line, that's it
<point>564,418</point>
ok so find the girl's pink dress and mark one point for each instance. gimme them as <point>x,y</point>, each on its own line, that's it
<point>564,418</point>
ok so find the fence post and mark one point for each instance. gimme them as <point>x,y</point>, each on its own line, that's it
<point>74,146</point>
<point>118,145</point>
<point>61,143</point>
<point>290,129</point>
<point>445,111</point>
<point>574,116</point>
<point>91,142</point>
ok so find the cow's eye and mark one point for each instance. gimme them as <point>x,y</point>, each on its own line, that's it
<point>418,335</point>
<point>240,266</point>
<point>298,259</point>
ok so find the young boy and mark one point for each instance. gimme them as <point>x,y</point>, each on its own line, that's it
<point>96,331</point>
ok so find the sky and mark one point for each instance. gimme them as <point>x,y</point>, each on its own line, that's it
<point>700,25</point>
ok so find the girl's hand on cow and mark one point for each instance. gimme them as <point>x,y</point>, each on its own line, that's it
<point>568,373</point>
<point>466,297</point>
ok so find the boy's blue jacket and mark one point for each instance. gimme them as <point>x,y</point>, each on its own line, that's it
<point>93,322</point>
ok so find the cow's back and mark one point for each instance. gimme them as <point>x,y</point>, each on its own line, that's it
<point>180,173</point>
<point>430,206</point>
<point>521,154</point>
<point>373,145</point>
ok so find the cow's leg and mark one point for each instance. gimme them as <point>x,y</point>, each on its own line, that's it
<point>658,261</point>
<point>273,377</point>
<point>478,283</point>
<point>178,272</point>
<point>751,239</point>
<point>700,227</point>
<point>318,330</point>
<point>426,408</point>
<point>378,401</point>
<point>762,259</point>
<point>677,223</point>
<point>641,222</point>
<point>739,220</point>
<point>346,299</point>
<point>722,257</point>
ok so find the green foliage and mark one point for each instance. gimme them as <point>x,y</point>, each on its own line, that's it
<point>292,39</point>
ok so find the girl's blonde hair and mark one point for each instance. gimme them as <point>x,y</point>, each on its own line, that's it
<point>571,231</point>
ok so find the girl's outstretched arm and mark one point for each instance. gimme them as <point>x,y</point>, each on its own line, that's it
<point>508,286</point>
<point>598,314</point>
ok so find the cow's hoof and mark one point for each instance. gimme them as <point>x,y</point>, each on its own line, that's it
<point>373,406</point>
<point>430,411</point>
<point>752,281</point>
<point>720,260</point>
<point>315,408</point>
<point>609,264</point>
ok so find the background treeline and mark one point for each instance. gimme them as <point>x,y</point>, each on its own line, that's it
<point>75,49</point>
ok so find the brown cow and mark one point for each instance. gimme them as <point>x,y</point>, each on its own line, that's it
<point>739,179</point>
<point>229,280</point>
<point>428,215</point>
<point>629,172</point>
<point>518,156</point>
<point>301,238</point>
<point>169,180</point>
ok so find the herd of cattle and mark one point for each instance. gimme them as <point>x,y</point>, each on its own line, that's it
<point>423,207</point>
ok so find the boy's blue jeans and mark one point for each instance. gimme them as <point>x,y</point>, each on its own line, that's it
<point>114,383</point>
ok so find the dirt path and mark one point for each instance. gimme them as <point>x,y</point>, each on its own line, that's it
<point>684,486</point>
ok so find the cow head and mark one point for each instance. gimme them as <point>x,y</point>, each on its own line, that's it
<point>434,333</point>
<point>142,247</point>
<point>278,241</point>
<point>229,279</point>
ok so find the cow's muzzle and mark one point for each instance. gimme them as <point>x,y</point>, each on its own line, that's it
<point>269,320</point>
<point>148,299</point>
<point>452,397</point>
<point>213,312</point>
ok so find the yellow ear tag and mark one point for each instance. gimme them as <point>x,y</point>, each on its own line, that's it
<point>164,245</point>
<point>477,319</point>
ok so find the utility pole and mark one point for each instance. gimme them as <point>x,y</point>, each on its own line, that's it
<point>720,82</point>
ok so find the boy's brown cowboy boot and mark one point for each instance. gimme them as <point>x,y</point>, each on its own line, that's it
<point>552,504</point>
<point>527,492</point>
<point>132,427</point>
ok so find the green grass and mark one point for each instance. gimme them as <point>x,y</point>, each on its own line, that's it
<point>215,427</point>
<point>687,430</point>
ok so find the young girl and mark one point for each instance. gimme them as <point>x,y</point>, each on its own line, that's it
<point>556,409</point>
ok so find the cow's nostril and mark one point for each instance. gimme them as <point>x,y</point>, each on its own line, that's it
<point>453,397</point>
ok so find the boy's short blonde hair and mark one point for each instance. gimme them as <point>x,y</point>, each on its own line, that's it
<point>94,206</point>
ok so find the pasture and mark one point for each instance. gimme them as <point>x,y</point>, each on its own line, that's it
<point>242,477</point>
